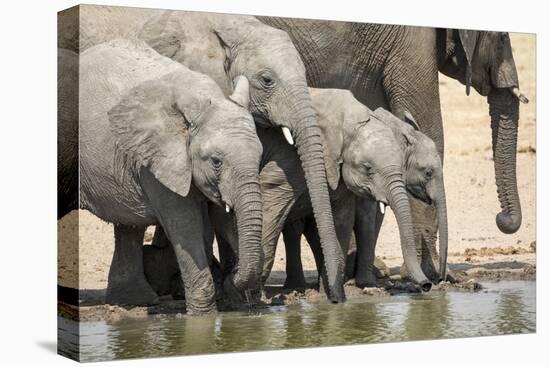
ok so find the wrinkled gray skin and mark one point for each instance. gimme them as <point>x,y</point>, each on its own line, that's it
<point>224,46</point>
<point>423,179</point>
<point>84,26</point>
<point>155,144</point>
<point>359,143</point>
<point>67,132</point>
<point>396,67</point>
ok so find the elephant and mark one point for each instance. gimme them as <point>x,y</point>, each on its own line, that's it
<point>223,46</point>
<point>396,67</point>
<point>84,26</point>
<point>157,142</point>
<point>423,176</point>
<point>364,159</point>
<point>67,132</point>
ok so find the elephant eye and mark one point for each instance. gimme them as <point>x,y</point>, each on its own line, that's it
<point>216,163</point>
<point>267,79</point>
<point>428,173</point>
<point>368,168</point>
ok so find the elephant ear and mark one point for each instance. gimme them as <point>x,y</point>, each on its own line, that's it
<point>468,40</point>
<point>333,159</point>
<point>156,34</point>
<point>152,132</point>
<point>403,124</point>
<point>333,142</point>
<point>228,37</point>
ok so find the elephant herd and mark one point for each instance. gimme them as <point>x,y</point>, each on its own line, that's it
<point>244,128</point>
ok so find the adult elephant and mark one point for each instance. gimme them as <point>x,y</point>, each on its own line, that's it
<point>224,46</point>
<point>396,67</point>
<point>153,149</point>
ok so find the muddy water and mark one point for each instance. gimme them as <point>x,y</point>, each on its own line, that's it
<point>505,307</point>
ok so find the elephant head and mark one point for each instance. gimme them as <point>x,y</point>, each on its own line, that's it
<point>278,96</point>
<point>423,173</point>
<point>185,131</point>
<point>484,60</point>
<point>371,161</point>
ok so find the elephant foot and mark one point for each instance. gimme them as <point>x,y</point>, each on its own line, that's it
<point>135,292</point>
<point>200,310</point>
<point>298,283</point>
<point>366,280</point>
<point>177,288</point>
<point>234,296</point>
<point>201,301</point>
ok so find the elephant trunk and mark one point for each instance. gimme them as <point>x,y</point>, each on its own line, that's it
<point>248,213</point>
<point>440,203</point>
<point>399,202</point>
<point>504,111</point>
<point>303,124</point>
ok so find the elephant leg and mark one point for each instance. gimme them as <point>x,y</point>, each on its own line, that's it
<point>160,267</point>
<point>312,237</point>
<point>292,235</point>
<point>228,257</point>
<point>127,284</point>
<point>228,260</point>
<point>159,238</point>
<point>182,220</point>
<point>351,258</point>
<point>192,261</point>
<point>208,232</point>
<point>344,219</point>
<point>273,224</point>
<point>368,220</point>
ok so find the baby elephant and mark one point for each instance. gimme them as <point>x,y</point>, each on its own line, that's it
<point>156,142</point>
<point>364,158</point>
<point>423,178</point>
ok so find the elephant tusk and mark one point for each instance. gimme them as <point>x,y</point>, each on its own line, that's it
<point>227,209</point>
<point>288,135</point>
<point>382,207</point>
<point>516,92</point>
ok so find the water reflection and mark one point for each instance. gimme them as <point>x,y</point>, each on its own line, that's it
<point>428,317</point>
<point>506,307</point>
<point>511,314</point>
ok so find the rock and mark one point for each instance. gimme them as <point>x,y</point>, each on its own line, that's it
<point>530,269</point>
<point>472,285</point>
<point>380,268</point>
<point>373,291</point>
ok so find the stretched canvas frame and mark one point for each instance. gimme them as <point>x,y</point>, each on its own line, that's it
<point>480,252</point>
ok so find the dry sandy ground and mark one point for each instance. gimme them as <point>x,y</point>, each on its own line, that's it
<point>470,185</point>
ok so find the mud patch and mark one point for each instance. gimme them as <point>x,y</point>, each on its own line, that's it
<point>493,251</point>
